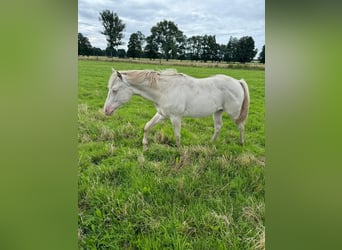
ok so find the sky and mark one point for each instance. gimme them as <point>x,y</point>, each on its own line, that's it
<point>222,18</point>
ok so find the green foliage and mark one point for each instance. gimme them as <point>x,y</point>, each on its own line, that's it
<point>151,48</point>
<point>231,54</point>
<point>261,57</point>
<point>168,37</point>
<point>84,46</point>
<point>135,44</point>
<point>201,196</point>
<point>205,47</point>
<point>113,29</point>
<point>86,49</point>
<point>210,48</point>
<point>194,46</point>
<point>246,49</point>
<point>240,50</point>
<point>168,41</point>
<point>121,53</point>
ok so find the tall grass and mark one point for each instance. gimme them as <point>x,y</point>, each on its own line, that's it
<point>201,196</point>
<point>174,62</point>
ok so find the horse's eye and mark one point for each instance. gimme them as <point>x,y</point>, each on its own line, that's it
<point>114,91</point>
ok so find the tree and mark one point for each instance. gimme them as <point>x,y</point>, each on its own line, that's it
<point>98,52</point>
<point>194,47</point>
<point>113,29</point>
<point>110,52</point>
<point>168,38</point>
<point>84,46</point>
<point>181,53</point>
<point>151,48</point>
<point>209,48</point>
<point>135,44</point>
<point>246,49</point>
<point>261,57</point>
<point>121,53</point>
<point>222,50</point>
<point>231,50</point>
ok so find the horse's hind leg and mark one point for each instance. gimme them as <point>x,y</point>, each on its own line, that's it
<point>217,123</point>
<point>241,127</point>
<point>176,122</point>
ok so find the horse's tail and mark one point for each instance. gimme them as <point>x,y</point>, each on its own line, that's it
<point>245,104</point>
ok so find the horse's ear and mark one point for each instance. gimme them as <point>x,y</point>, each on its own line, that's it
<point>119,75</point>
<point>113,70</point>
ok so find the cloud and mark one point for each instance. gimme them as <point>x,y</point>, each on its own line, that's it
<point>223,18</point>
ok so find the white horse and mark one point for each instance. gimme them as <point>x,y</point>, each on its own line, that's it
<point>176,95</point>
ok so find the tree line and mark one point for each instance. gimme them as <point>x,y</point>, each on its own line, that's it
<point>167,41</point>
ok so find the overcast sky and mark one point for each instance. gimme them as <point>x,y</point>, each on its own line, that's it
<point>222,18</point>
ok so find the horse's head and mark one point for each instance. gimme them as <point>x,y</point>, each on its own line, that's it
<point>119,93</point>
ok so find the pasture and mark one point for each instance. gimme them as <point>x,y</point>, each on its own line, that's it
<point>202,195</point>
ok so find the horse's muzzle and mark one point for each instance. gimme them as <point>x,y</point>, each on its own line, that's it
<point>109,110</point>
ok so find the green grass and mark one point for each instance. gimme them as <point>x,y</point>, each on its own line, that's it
<point>174,62</point>
<point>201,196</point>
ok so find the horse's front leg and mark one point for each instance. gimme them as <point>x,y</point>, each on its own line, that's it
<point>176,123</point>
<point>155,119</point>
<point>217,124</point>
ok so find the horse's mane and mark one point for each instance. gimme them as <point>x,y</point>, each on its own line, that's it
<point>150,77</point>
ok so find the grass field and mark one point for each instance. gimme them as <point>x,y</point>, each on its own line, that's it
<point>201,196</point>
<point>174,62</point>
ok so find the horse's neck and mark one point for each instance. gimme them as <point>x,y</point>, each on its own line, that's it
<point>148,93</point>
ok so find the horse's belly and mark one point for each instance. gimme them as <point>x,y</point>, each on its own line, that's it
<point>193,113</point>
<point>200,108</point>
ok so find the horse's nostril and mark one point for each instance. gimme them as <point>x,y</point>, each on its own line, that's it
<point>106,110</point>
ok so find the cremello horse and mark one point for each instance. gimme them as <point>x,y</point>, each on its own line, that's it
<point>176,95</point>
